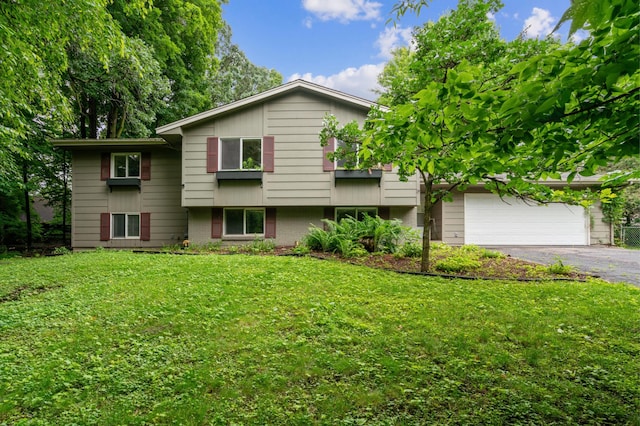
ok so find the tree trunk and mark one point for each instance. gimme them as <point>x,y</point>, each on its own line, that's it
<point>112,122</point>
<point>426,223</point>
<point>93,118</point>
<point>27,204</point>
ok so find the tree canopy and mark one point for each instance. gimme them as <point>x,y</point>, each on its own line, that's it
<point>525,111</point>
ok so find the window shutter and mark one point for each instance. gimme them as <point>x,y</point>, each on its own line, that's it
<point>268,145</point>
<point>145,226</point>
<point>384,213</point>
<point>145,166</point>
<point>105,166</point>
<point>387,167</point>
<point>105,226</point>
<point>270,223</point>
<point>216,222</point>
<point>212,154</point>
<point>327,165</point>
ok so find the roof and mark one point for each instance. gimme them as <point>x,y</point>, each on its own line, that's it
<point>175,127</point>
<point>99,143</point>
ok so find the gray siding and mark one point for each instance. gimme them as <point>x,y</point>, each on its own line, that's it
<point>292,224</point>
<point>601,231</point>
<point>159,196</point>
<point>298,179</point>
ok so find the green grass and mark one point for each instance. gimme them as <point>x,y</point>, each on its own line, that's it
<point>112,338</point>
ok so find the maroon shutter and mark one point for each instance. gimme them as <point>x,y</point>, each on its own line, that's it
<point>270,223</point>
<point>387,167</point>
<point>105,226</point>
<point>327,165</point>
<point>384,213</point>
<point>145,226</point>
<point>268,143</point>
<point>216,222</point>
<point>105,166</point>
<point>145,166</point>
<point>212,154</point>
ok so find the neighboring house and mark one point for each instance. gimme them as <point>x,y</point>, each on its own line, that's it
<point>255,168</point>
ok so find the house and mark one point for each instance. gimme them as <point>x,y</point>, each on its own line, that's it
<point>255,168</point>
<point>251,168</point>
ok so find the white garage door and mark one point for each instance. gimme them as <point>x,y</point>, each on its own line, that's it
<point>488,220</point>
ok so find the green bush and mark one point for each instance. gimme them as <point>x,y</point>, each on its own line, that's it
<point>372,234</point>
<point>457,264</point>
<point>492,254</point>
<point>560,268</point>
<point>259,245</point>
<point>410,249</point>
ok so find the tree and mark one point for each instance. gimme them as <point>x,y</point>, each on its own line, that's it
<point>33,59</point>
<point>426,130</point>
<point>236,77</point>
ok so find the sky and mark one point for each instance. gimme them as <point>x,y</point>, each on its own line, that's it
<point>344,44</point>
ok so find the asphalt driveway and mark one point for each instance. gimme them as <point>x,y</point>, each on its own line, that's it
<point>613,264</point>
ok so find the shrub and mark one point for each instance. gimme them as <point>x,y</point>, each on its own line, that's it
<point>457,264</point>
<point>372,234</point>
<point>560,268</point>
<point>259,245</point>
<point>61,251</point>
<point>410,249</point>
<point>492,254</point>
<point>318,239</point>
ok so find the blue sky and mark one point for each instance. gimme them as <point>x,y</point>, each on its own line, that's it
<point>344,44</point>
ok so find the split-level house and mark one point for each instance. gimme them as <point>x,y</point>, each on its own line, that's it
<point>255,169</point>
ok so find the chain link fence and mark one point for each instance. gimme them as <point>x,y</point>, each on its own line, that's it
<point>630,235</point>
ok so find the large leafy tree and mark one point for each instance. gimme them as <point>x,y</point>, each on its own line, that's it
<point>33,61</point>
<point>236,77</point>
<point>427,129</point>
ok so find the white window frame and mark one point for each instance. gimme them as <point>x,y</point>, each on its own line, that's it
<point>244,221</point>
<point>126,154</point>
<point>126,226</point>
<point>357,209</point>
<point>336,165</point>
<point>241,141</point>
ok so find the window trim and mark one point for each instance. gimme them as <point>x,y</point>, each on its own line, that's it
<point>244,222</point>
<point>113,165</point>
<point>241,138</point>
<point>126,226</point>
<point>335,212</point>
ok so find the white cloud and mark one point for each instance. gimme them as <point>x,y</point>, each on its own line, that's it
<point>539,24</point>
<point>307,23</point>
<point>343,10</point>
<point>353,81</point>
<point>392,38</point>
<point>579,35</point>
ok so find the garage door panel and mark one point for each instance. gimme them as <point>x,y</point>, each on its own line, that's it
<point>490,220</point>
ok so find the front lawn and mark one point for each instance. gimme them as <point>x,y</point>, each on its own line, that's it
<point>112,338</point>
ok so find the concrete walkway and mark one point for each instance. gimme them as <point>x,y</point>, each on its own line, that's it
<point>613,264</point>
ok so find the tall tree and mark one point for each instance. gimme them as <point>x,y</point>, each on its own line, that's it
<point>426,131</point>
<point>33,59</point>
<point>235,76</point>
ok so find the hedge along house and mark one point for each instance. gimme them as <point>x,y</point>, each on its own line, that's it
<point>251,168</point>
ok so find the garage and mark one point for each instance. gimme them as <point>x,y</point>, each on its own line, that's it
<point>490,220</point>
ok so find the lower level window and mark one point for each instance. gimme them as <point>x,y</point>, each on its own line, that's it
<point>357,213</point>
<point>243,221</point>
<point>125,225</point>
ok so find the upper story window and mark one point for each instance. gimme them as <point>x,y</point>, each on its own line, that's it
<point>125,165</point>
<point>241,153</point>
<point>352,149</point>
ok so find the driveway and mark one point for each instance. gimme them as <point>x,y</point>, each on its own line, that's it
<point>613,264</point>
